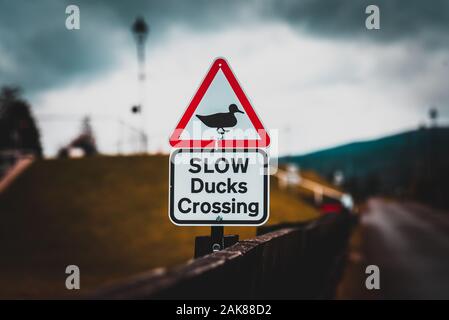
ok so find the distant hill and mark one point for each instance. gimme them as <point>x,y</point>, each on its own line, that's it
<point>412,164</point>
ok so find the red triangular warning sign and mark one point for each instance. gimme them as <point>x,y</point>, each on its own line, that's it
<point>219,115</point>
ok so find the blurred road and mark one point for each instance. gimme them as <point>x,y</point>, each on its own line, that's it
<point>410,244</point>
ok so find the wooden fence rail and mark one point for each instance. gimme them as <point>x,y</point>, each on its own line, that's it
<point>292,262</point>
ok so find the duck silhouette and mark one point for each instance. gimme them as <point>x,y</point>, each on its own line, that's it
<point>221,120</point>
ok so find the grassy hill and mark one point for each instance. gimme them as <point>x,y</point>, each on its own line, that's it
<point>413,164</point>
<point>108,215</point>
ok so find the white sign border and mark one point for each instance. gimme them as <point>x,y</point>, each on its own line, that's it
<point>236,223</point>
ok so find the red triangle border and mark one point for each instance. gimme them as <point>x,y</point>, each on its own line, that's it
<point>220,63</point>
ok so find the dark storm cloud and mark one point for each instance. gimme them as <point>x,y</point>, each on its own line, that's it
<point>37,52</point>
<point>427,20</point>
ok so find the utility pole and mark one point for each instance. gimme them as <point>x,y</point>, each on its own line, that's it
<point>140,31</point>
<point>433,115</point>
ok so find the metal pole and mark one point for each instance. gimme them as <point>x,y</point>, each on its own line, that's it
<point>217,238</point>
<point>140,30</point>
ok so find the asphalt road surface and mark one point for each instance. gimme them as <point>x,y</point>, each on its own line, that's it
<point>409,243</point>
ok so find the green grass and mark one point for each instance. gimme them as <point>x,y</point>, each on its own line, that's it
<point>108,215</point>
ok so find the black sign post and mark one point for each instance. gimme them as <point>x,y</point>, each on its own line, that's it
<point>215,242</point>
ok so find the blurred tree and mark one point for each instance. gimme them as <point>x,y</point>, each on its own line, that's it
<point>18,130</point>
<point>85,141</point>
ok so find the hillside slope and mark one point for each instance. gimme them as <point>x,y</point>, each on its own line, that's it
<point>108,215</point>
<point>414,163</point>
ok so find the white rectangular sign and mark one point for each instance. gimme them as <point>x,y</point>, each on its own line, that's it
<point>219,187</point>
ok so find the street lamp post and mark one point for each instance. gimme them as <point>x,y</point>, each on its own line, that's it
<point>140,31</point>
<point>433,115</point>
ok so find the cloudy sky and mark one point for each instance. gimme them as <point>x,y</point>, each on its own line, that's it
<point>316,76</point>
